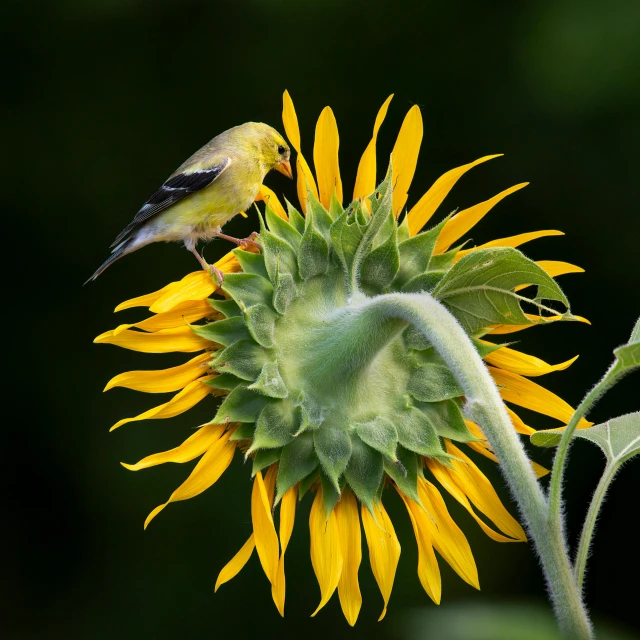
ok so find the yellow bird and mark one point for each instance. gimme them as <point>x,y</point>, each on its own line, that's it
<point>213,185</point>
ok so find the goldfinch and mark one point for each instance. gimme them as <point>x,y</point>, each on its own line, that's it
<point>213,185</point>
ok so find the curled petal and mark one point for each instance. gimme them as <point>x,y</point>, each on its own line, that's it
<point>525,393</point>
<point>197,287</point>
<point>264,530</point>
<point>466,482</point>
<point>162,381</point>
<point>271,199</point>
<point>432,199</point>
<point>501,329</point>
<point>405,157</point>
<point>446,536</point>
<point>326,555</point>
<point>194,446</point>
<point>209,468</point>
<point>287,518</point>
<point>522,363</point>
<point>236,564</point>
<point>346,511</point>
<point>384,550</point>
<point>428,570</point>
<point>366,177</point>
<point>181,402</point>
<point>511,241</point>
<point>164,341</point>
<point>182,315</point>
<point>465,220</point>
<point>325,158</point>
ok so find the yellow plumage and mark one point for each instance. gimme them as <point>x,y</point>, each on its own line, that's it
<point>213,185</point>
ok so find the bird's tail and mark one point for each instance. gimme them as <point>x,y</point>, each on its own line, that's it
<point>117,253</point>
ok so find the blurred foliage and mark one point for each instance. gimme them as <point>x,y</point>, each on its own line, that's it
<point>103,99</point>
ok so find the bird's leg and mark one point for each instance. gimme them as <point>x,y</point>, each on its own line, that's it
<point>209,268</point>
<point>244,243</point>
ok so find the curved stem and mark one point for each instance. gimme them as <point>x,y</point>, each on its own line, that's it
<point>486,406</point>
<point>590,523</point>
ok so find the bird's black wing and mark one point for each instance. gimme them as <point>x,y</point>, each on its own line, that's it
<point>173,190</point>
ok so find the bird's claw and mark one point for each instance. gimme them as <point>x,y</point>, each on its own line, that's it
<point>215,272</point>
<point>250,242</point>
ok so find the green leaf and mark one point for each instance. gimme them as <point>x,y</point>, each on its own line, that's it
<point>275,427</point>
<point>279,256</point>
<point>417,433</point>
<point>251,263</point>
<point>485,348</point>
<point>229,308</point>
<point>313,257</point>
<point>403,229</point>
<point>346,237</point>
<point>335,208</point>
<point>321,217</point>
<point>224,332</point>
<point>224,381</point>
<point>264,458</point>
<point>619,438</point>
<point>248,289</point>
<point>628,355</point>
<point>284,292</point>
<point>380,266</point>
<point>310,411</point>
<point>433,383</point>
<point>295,218</point>
<point>282,228</point>
<point>443,261</point>
<point>333,448</point>
<point>364,472</point>
<point>379,434</point>
<point>270,382</point>
<point>241,405</point>
<point>415,254</point>
<point>244,432</point>
<point>415,339</point>
<point>243,359</point>
<point>447,419</point>
<point>424,282</point>
<point>479,289</point>
<point>330,495</point>
<point>307,481</point>
<point>297,461</point>
<point>260,321</point>
<point>405,473</point>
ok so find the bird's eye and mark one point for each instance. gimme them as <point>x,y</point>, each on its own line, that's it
<point>282,150</point>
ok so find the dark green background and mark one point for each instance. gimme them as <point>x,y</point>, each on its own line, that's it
<point>103,99</point>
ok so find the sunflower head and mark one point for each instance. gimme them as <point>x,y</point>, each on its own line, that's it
<point>324,391</point>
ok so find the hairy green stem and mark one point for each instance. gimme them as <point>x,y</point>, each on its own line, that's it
<point>580,563</point>
<point>486,406</point>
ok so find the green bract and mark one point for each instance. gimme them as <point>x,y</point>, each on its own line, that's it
<point>326,385</point>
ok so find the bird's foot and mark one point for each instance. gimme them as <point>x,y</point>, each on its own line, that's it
<point>248,244</point>
<point>209,268</point>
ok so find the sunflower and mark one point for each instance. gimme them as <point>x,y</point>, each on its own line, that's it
<point>329,400</point>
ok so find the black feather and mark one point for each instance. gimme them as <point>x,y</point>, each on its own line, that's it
<point>115,255</point>
<point>173,190</point>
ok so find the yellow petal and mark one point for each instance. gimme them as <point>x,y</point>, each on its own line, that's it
<point>304,174</point>
<point>462,222</point>
<point>384,550</point>
<point>194,446</point>
<point>271,199</point>
<point>539,470</point>
<point>228,263</point>
<point>554,268</point>
<point>326,556</point>
<point>235,565</point>
<point>346,511</point>
<point>290,121</point>
<point>518,424</point>
<point>200,286</point>
<point>404,157</point>
<point>209,468</point>
<point>428,570</point>
<point>182,315</point>
<point>263,529</point>
<point>536,321</point>
<point>464,481</point>
<point>446,536</point>
<point>432,199</point>
<point>528,394</point>
<point>181,402</point>
<point>522,363</point>
<point>165,380</point>
<point>511,241</point>
<point>287,518</point>
<point>182,339</point>
<point>366,177</point>
<point>325,158</point>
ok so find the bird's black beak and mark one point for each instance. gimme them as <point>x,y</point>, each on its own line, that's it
<point>284,168</point>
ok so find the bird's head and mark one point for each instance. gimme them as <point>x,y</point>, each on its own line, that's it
<point>273,150</point>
